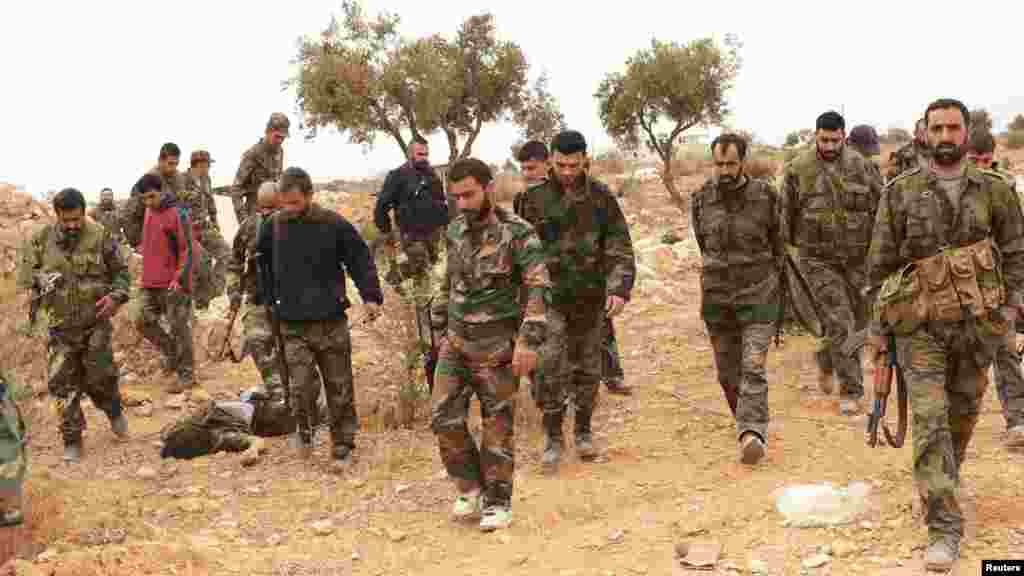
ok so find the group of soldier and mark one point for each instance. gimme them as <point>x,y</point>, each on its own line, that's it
<point>926,266</point>
<point>929,262</point>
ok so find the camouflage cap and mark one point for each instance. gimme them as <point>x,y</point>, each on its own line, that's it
<point>865,138</point>
<point>278,121</point>
<point>200,156</point>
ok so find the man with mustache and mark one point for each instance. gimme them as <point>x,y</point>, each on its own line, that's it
<point>106,214</point>
<point>735,220</point>
<point>263,161</point>
<point>914,154</point>
<point>592,267</point>
<point>947,265</point>
<point>981,147</point>
<point>829,197</point>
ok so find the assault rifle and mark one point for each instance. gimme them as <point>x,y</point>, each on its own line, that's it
<point>225,345</point>
<point>883,386</point>
<point>229,190</point>
<point>43,284</point>
<point>427,342</point>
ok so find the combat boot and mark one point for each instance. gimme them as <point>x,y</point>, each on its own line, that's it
<point>119,426</point>
<point>301,441</point>
<point>73,451</point>
<point>553,442</point>
<point>617,385</point>
<point>1015,437</point>
<point>584,438</point>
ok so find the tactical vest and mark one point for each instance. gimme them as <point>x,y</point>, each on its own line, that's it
<point>86,277</point>
<point>835,218</point>
<point>956,284</point>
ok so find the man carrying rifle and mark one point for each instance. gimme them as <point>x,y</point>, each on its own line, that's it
<point>947,265</point>
<point>263,161</point>
<point>302,250</point>
<point>243,287</point>
<point>736,224</point>
<point>492,254</point>
<point>94,283</point>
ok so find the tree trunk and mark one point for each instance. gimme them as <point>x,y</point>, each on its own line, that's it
<point>668,179</point>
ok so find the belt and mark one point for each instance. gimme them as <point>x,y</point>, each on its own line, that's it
<point>484,330</point>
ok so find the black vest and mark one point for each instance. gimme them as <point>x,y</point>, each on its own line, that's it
<point>308,282</point>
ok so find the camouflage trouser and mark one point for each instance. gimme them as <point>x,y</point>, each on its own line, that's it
<point>945,367</point>
<point>244,205</point>
<point>217,250</point>
<point>1010,385</point>
<point>176,346</point>
<point>612,366</point>
<point>572,361</point>
<point>836,289</point>
<point>326,346</point>
<point>740,354</point>
<point>482,366</point>
<point>81,362</point>
<point>258,340</point>
<point>202,287</point>
<point>421,255</point>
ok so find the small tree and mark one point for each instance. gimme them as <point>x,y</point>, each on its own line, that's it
<point>1017,123</point>
<point>540,118</point>
<point>666,90</point>
<point>981,120</point>
<point>793,139</point>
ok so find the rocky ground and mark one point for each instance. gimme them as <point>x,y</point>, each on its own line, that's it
<point>669,479</point>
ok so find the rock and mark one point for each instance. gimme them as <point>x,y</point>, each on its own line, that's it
<point>355,556</point>
<point>146,473</point>
<point>175,401</point>
<point>825,549</point>
<point>252,454</point>
<point>402,488</point>
<point>134,398</point>
<point>145,410</point>
<point>323,527</point>
<point>758,566</point>
<point>520,560</point>
<point>844,548</point>
<point>198,396</point>
<point>616,536</point>
<point>396,535</point>
<point>815,561</point>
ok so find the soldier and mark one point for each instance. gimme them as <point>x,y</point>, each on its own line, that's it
<point>1008,375</point>
<point>735,220</point>
<point>106,214</point>
<point>243,284</point>
<point>416,194</point>
<point>172,183</point>
<point>92,286</point>
<point>947,265</point>
<point>864,139</point>
<point>168,261</point>
<point>13,456</point>
<point>533,163</point>
<point>829,197</point>
<point>590,260</point>
<point>302,249</point>
<point>203,209</point>
<point>493,256</point>
<point>912,155</point>
<point>261,162</point>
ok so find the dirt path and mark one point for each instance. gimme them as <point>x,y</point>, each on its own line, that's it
<point>670,474</point>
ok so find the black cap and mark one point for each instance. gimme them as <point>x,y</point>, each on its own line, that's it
<point>569,142</point>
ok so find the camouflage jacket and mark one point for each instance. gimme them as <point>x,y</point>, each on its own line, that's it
<point>259,163</point>
<point>485,269</point>
<point>908,157</point>
<point>91,269</point>
<point>586,241</point>
<point>13,456</point>
<point>197,198</point>
<point>740,241</point>
<point>133,215</point>
<point>916,220</point>
<point>828,208</point>
<point>242,273</point>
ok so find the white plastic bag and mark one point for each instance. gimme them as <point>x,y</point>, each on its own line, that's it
<point>814,505</point>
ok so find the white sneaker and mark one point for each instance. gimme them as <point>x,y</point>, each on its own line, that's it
<point>466,505</point>
<point>495,517</point>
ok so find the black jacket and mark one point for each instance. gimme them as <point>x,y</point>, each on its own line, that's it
<point>316,248</point>
<point>418,199</point>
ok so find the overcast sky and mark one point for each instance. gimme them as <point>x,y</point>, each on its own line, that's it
<point>92,89</point>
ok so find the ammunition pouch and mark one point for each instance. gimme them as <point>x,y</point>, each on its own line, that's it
<point>951,286</point>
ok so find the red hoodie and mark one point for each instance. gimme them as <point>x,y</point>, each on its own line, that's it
<point>167,247</point>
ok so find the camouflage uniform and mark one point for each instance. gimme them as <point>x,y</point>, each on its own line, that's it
<point>910,156</point>
<point>261,162</point>
<point>828,211</point>
<point>944,358</point>
<point>589,256</point>
<point>200,203</point>
<point>13,454</point>
<point>611,372</point>
<point>740,240</point>
<point>106,214</point>
<point>1007,373</point>
<point>81,361</point>
<point>477,308</point>
<point>242,283</point>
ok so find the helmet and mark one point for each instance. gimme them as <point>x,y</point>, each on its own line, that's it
<point>864,138</point>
